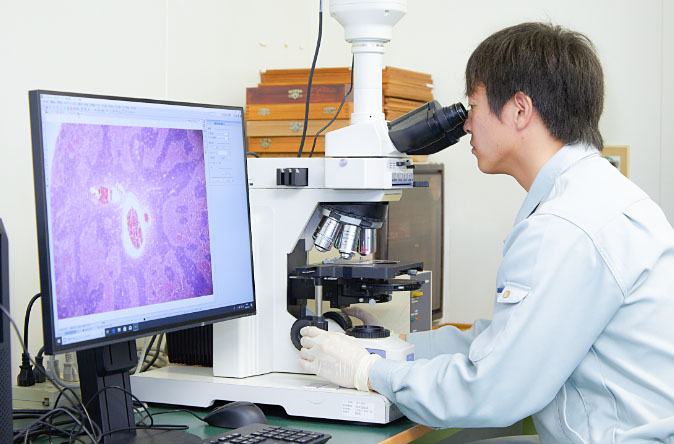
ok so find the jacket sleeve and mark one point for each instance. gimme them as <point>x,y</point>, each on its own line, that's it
<point>447,339</point>
<point>555,296</point>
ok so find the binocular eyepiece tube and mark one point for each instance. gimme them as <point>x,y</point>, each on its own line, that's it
<point>428,129</point>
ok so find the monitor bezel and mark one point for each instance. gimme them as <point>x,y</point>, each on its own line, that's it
<point>176,322</point>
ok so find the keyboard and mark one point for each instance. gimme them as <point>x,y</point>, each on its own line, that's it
<point>268,434</point>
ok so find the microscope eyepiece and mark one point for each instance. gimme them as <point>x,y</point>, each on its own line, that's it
<point>428,129</point>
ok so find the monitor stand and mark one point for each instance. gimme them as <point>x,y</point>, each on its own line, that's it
<point>105,388</point>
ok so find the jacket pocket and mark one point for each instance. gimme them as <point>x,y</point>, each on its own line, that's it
<point>507,299</point>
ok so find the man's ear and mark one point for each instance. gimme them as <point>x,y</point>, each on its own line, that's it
<point>523,110</point>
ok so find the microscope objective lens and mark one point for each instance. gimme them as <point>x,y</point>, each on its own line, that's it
<point>319,226</point>
<point>368,241</point>
<point>326,234</point>
<point>348,241</point>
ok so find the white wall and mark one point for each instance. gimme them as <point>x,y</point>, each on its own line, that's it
<point>667,112</point>
<point>210,50</point>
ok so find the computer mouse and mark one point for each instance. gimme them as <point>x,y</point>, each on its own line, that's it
<point>235,414</point>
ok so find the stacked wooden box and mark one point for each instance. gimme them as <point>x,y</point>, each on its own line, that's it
<point>275,108</point>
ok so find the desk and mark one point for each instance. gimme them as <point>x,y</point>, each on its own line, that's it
<point>400,431</point>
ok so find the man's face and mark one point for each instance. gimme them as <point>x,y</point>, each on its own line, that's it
<point>490,137</point>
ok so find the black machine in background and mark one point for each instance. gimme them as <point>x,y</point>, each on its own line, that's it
<point>6,429</point>
<point>414,228</point>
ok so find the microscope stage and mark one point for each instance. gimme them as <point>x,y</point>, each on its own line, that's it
<point>359,270</point>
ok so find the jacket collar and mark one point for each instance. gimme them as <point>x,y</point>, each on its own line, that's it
<point>566,157</point>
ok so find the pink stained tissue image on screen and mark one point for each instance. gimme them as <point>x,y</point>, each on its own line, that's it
<point>129,222</point>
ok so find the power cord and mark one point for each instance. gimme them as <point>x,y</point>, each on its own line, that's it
<point>83,412</point>
<point>177,411</point>
<point>143,355</point>
<point>26,376</point>
<point>40,372</point>
<point>27,318</point>
<point>156,355</point>
<point>337,113</point>
<point>311,77</point>
<point>83,425</point>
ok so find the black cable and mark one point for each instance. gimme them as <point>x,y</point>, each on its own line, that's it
<point>40,426</point>
<point>61,390</point>
<point>147,350</point>
<point>41,421</point>
<point>311,77</point>
<point>83,411</point>
<point>336,114</point>
<point>156,355</point>
<point>26,376</point>
<point>98,393</point>
<point>44,428</point>
<point>178,411</point>
<point>149,347</point>
<point>95,429</point>
<point>56,431</point>
<point>250,153</point>
<point>27,318</point>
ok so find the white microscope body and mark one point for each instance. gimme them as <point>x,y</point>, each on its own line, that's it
<point>253,357</point>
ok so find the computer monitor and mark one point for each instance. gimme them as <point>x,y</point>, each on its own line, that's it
<point>6,430</point>
<point>143,227</point>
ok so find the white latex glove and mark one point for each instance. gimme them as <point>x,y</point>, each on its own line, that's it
<point>336,357</point>
<point>364,316</point>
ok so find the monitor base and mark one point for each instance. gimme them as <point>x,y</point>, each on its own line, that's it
<point>148,436</point>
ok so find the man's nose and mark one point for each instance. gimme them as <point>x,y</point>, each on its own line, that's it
<point>467,125</point>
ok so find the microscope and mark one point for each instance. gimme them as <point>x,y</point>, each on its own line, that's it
<point>297,204</point>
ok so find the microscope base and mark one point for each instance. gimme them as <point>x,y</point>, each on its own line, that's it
<point>299,395</point>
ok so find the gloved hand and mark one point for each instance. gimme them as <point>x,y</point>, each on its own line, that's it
<point>336,357</point>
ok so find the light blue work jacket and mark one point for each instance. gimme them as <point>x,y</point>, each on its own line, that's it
<point>582,335</point>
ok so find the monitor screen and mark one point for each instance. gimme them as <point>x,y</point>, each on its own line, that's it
<point>142,215</point>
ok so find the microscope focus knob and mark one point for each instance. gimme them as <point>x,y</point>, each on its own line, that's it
<point>316,321</point>
<point>369,332</point>
<point>342,319</point>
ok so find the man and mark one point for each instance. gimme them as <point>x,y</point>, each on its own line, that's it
<point>582,335</point>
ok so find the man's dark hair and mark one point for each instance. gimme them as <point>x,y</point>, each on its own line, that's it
<point>557,68</point>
